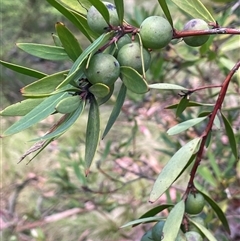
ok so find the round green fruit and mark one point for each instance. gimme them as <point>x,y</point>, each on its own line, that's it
<point>103,68</point>
<point>157,229</point>
<point>96,21</point>
<point>130,55</point>
<point>122,41</point>
<point>196,24</point>
<point>147,236</point>
<point>193,236</point>
<point>156,32</point>
<point>194,203</point>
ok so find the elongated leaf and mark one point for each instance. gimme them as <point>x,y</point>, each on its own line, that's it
<point>116,109</point>
<point>44,86</point>
<point>172,169</point>
<point>218,211</point>
<point>174,219</point>
<point>182,105</point>
<point>80,6</point>
<point>44,51</point>
<point>133,80</point>
<point>231,136</point>
<point>56,40</point>
<point>102,9</point>
<point>185,125</point>
<point>70,120</point>
<point>43,110</point>
<point>166,11</point>
<point>195,8</point>
<point>77,66</point>
<point>205,231</point>
<point>23,70</point>
<point>92,133</point>
<point>164,86</point>
<point>190,104</point>
<point>21,108</point>
<point>120,9</point>
<point>142,220</point>
<point>68,40</point>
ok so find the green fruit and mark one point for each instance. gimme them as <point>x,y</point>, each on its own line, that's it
<point>156,32</point>
<point>130,55</point>
<point>181,236</point>
<point>196,24</point>
<point>122,41</point>
<point>157,229</point>
<point>103,68</point>
<point>194,203</point>
<point>193,236</point>
<point>147,236</point>
<point>96,21</point>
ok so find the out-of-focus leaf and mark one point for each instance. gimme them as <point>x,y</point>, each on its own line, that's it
<point>214,164</point>
<point>133,80</point>
<point>92,133</point>
<point>172,169</point>
<point>21,108</point>
<point>195,8</point>
<point>190,104</point>
<point>99,90</point>
<point>164,86</point>
<point>48,52</point>
<point>116,109</point>
<point>56,40</point>
<point>120,9</point>
<point>102,9</point>
<point>217,122</point>
<point>23,70</point>
<point>182,105</point>
<point>230,134</point>
<point>174,219</point>
<point>218,211</point>
<point>166,11</point>
<point>185,125</point>
<point>68,40</point>
<point>80,6</point>
<point>142,220</point>
<point>69,104</point>
<point>225,62</point>
<point>207,175</point>
<point>230,44</point>
<point>44,86</point>
<point>40,112</point>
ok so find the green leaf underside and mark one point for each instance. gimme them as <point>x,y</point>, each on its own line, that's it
<point>195,8</point>
<point>77,66</point>
<point>68,40</point>
<point>218,211</point>
<point>163,86</point>
<point>68,104</point>
<point>174,219</point>
<point>205,231</point>
<point>116,109</point>
<point>42,51</point>
<point>154,211</point>
<point>40,112</point>
<point>70,120</point>
<point>172,169</point>
<point>23,70</point>
<point>230,134</point>
<point>107,97</point>
<point>92,133</point>
<point>142,220</point>
<point>44,86</point>
<point>166,11</point>
<point>56,40</point>
<point>99,90</point>
<point>133,80</point>
<point>120,9</point>
<point>21,108</point>
<point>185,125</point>
<point>102,9</point>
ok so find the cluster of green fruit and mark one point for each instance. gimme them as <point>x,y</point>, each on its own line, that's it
<point>194,206</point>
<point>155,32</point>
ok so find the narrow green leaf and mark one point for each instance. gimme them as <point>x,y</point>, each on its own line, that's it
<point>92,133</point>
<point>68,40</point>
<point>99,90</point>
<point>218,211</point>
<point>44,51</point>
<point>102,9</point>
<point>68,105</point>
<point>172,169</point>
<point>142,220</point>
<point>206,173</point>
<point>43,110</point>
<point>231,136</point>
<point>205,231</point>
<point>166,11</point>
<point>190,104</point>
<point>21,108</point>
<point>217,122</point>
<point>185,125</point>
<point>174,219</point>
<point>56,40</point>
<point>80,6</point>
<point>182,105</point>
<point>195,8</point>
<point>116,109</point>
<point>133,80</point>
<point>120,9</point>
<point>23,70</point>
<point>164,86</point>
<point>44,86</point>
